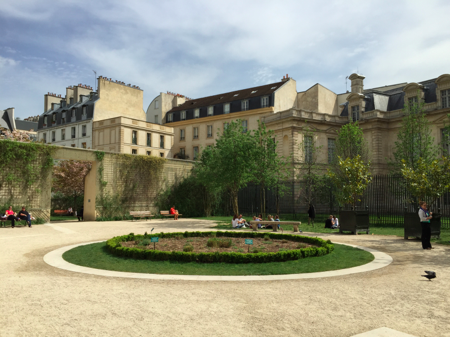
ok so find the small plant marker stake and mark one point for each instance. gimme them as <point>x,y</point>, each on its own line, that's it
<point>154,240</point>
<point>249,242</point>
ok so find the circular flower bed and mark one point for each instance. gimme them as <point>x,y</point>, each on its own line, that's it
<point>128,246</point>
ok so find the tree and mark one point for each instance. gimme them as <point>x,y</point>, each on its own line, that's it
<point>311,181</point>
<point>414,138</point>
<point>350,143</point>
<point>19,136</point>
<point>352,177</point>
<point>231,163</point>
<point>427,181</point>
<point>68,177</point>
<point>271,169</point>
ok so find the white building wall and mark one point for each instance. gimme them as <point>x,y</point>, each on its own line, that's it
<point>69,141</point>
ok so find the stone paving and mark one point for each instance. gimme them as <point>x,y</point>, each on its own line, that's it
<point>40,300</point>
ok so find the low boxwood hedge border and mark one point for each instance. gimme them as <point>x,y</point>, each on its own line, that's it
<point>323,247</point>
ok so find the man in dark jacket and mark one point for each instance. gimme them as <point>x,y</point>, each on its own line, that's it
<point>329,222</point>
<point>311,214</point>
<point>24,215</point>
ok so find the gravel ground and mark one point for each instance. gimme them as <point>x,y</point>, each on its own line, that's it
<point>39,300</point>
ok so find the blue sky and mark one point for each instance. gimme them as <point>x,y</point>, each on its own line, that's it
<point>201,48</point>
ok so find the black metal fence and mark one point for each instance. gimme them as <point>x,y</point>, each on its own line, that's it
<point>386,199</point>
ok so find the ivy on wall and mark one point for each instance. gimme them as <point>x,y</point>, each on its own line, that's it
<point>24,164</point>
<point>136,178</point>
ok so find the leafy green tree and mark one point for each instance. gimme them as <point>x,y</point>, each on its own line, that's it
<point>350,143</point>
<point>271,169</point>
<point>414,138</point>
<point>231,163</point>
<point>427,181</point>
<point>352,177</point>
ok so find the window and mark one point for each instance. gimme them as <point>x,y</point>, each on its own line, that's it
<point>63,134</point>
<point>84,113</point>
<point>210,110</point>
<point>308,149</point>
<point>44,137</point>
<point>53,136</point>
<point>183,153</point>
<point>169,117</point>
<point>264,102</point>
<point>355,113</point>
<point>226,108</point>
<point>236,95</point>
<point>412,102</point>
<point>195,152</point>
<point>71,100</point>
<point>244,126</point>
<point>445,98</point>
<point>183,115</point>
<point>225,126</point>
<point>161,142</point>
<point>73,119</point>
<point>134,137</point>
<point>133,151</point>
<point>182,136</point>
<point>161,154</point>
<point>197,113</point>
<point>209,131</point>
<point>149,153</point>
<point>83,145</point>
<point>196,133</point>
<point>54,119</point>
<point>244,105</point>
<point>73,145</point>
<point>149,139</point>
<point>73,132</point>
<point>254,91</point>
<point>45,120</point>
<point>331,149</point>
<point>156,104</point>
<point>156,119</point>
<point>445,142</point>
<point>63,117</point>
<point>83,130</point>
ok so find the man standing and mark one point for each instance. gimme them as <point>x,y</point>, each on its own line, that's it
<point>24,215</point>
<point>311,214</point>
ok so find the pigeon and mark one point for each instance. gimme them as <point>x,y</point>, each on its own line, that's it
<point>430,275</point>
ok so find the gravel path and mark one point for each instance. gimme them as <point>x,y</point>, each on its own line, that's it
<point>39,300</point>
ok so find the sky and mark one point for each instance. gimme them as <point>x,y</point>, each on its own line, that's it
<point>201,48</point>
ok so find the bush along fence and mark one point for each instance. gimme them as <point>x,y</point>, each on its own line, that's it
<point>386,199</point>
<point>321,248</point>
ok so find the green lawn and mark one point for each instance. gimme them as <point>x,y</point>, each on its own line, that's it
<point>62,218</point>
<point>224,222</point>
<point>96,256</point>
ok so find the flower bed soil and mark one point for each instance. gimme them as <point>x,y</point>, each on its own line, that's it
<point>237,245</point>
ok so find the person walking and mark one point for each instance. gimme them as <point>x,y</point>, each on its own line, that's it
<point>311,214</point>
<point>425,217</point>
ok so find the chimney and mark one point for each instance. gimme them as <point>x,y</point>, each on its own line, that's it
<point>357,83</point>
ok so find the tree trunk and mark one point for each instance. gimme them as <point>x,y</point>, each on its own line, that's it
<point>234,201</point>
<point>262,198</point>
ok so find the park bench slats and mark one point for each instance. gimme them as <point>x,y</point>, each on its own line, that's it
<point>166,213</point>
<point>141,214</point>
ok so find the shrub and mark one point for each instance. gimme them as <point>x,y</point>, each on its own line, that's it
<point>188,248</point>
<point>321,248</point>
<point>144,242</point>
<point>266,237</point>
<point>212,243</point>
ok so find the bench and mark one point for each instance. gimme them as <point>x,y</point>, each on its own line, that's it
<point>141,214</point>
<point>167,213</point>
<point>275,224</point>
<point>60,212</point>
<point>3,222</point>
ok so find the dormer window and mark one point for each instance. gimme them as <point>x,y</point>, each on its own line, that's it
<point>73,115</point>
<point>412,101</point>
<point>84,113</point>
<point>254,91</point>
<point>45,120</point>
<point>169,117</point>
<point>355,113</point>
<point>264,102</point>
<point>54,119</point>
<point>235,95</point>
<point>63,117</point>
<point>445,98</point>
<point>226,108</point>
<point>197,113</point>
<point>183,115</point>
<point>244,105</point>
<point>210,110</point>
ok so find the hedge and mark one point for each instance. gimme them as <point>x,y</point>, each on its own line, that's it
<point>324,247</point>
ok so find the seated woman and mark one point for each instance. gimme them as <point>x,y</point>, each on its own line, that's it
<point>269,218</point>
<point>11,215</point>
<point>235,222</point>
<point>174,212</point>
<point>335,222</point>
<point>255,218</point>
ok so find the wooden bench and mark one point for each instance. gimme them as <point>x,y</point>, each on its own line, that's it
<point>3,222</point>
<point>141,214</point>
<point>167,213</point>
<point>61,212</point>
<point>275,224</point>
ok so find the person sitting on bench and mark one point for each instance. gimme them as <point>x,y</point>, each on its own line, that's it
<point>174,212</point>
<point>24,215</point>
<point>329,222</point>
<point>11,215</point>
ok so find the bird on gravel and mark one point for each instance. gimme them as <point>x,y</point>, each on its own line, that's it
<point>430,275</point>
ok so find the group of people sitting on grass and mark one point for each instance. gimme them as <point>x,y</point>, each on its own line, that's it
<point>332,222</point>
<point>239,222</point>
<point>13,216</point>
